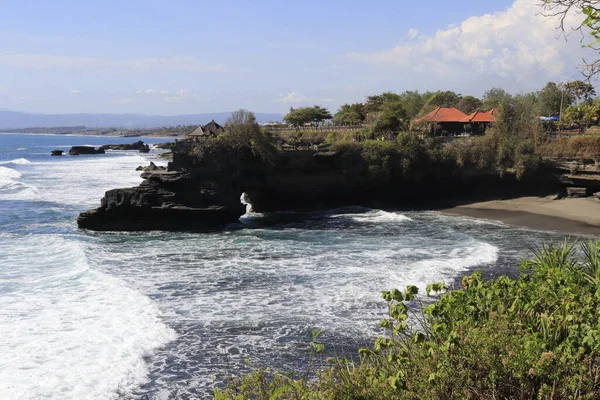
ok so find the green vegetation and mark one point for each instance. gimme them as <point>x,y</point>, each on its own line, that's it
<point>508,147</point>
<point>350,114</point>
<point>387,114</point>
<point>306,115</point>
<point>583,147</point>
<point>242,136</point>
<point>385,150</point>
<point>533,337</point>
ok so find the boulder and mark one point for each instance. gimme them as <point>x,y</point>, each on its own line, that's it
<point>84,150</point>
<point>56,152</point>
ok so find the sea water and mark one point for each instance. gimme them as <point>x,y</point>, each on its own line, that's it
<point>113,315</point>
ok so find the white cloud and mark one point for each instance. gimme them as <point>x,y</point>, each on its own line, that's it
<point>75,91</point>
<point>413,33</point>
<point>45,61</point>
<point>127,100</point>
<point>179,96</point>
<point>517,44</point>
<point>3,89</point>
<point>293,98</point>
<point>149,92</point>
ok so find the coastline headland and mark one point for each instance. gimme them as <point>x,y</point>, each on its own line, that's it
<point>201,188</point>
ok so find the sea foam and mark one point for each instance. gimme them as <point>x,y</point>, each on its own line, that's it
<point>12,188</point>
<point>83,181</point>
<point>374,216</point>
<point>69,331</point>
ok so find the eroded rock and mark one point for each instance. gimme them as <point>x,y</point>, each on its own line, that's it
<point>84,150</point>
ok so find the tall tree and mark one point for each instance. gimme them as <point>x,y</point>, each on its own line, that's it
<point>303,115</point>
<point>350,114</point>
<point>243,132</point>
<point>553,99</point>
<point>579,90</point>
<point>444,99</point>
<point>469,104</point>
<point>391,117</point>
<point>413,103</point>
<point>374,104</point>
<point>494,98</point>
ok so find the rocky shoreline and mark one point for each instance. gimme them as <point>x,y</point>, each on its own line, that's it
<point>202,192</point>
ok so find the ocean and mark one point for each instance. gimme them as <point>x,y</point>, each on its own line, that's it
<point>157,315</point>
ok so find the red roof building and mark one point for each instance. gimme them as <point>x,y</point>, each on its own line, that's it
<point>442,115</point>
<point>480,117</point>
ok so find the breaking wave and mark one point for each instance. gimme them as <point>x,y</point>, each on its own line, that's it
<point>18,161</point>
<point>12,188</point>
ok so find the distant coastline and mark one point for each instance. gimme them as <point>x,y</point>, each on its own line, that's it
<point>166,132</point>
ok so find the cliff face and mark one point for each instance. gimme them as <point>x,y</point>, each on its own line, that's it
<point>200,192</point>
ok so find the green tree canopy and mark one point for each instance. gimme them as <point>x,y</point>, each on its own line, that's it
<point>444,99</point>
<point>243,132</point>
<point>374,104</point>
<point>391,118</point>
<point>494,98</point>
<point>552,99</point>
<point>469,104</point>
<point>350,114</point>
<point>303,115</point>
<point>579,90</point>
<point>413,102</point>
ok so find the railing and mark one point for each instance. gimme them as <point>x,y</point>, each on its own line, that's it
<point>322,128</point>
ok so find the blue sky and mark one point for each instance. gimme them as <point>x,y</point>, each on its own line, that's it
<point>183,56</point>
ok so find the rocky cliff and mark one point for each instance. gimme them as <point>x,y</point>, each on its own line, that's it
<point>202,187</point>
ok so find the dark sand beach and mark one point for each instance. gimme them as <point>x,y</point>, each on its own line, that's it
<point>576,216</point>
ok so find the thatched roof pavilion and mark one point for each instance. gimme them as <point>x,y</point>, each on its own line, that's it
<point>210,129</point>
<point>198,133</point>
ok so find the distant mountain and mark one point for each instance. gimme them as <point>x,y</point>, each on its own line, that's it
<point>16,120</point>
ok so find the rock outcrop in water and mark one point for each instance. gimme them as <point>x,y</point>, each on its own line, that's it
<point>201,191</point>
<point>84,150</point>
<point>139,145</point>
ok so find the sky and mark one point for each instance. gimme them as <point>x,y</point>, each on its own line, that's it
<point>170,57</point>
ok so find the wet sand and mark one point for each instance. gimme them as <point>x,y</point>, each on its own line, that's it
<point>575,216</point>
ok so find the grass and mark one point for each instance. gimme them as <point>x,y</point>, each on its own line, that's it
<point>582,147</point>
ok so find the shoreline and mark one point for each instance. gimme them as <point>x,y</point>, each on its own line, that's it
<point>92,135</point>
<point>571,216</point>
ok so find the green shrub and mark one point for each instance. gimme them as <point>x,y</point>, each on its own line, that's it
<point>332,137</point>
